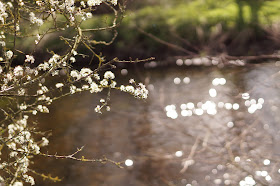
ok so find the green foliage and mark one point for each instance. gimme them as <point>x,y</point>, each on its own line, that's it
<point>197,21</point>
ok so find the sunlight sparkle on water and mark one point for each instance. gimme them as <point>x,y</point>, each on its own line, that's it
<point>211,111</point>
<point>221,104</point>
<point>230,124</point>
<point>214,171</point>
<point>171,111</point>
<point>237,159</point>
<point>198,112</point>
<point>179,62</point>
<point>219,81</point>
<point>172,114</point>
<point>213,92</point>
<point>170,107</point>
<point>252,108</point>
<point>228,106</point>
<point>247,103</point>
<point>210,107</point>
<point>248,181</point>
<point>183,106</point>
<point>199,104</point>
<point>217,181</point>
<point>186,113</point>
<point>258,173</point>
<point>179,154</point>
<point>190,105</point>
<point>268,178</point>
<point>177,80</point>
<point>186,80</point>
<point>266,162</point>
<point>245,96</point>
<point>188,62</point>
<point>128,162</point>
<point>261,100</point>
<point>227,182</point>
<point>253,101</point>
<point>235,106</point>
<point>264,173</point>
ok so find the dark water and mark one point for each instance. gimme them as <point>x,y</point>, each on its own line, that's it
<point>200,126</point>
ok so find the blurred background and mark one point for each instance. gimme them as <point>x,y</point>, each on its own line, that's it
<point>209,119</point>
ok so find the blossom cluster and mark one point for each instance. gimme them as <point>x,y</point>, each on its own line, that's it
<point>25,76</point>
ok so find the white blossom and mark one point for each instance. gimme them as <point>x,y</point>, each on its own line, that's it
<point>9,54</point>
<point>98,109</point>
<point>94,2</point>
<point>29,58</point>
<point>85,72</point>
<point>17,183</point>
<point>45,141</point>
<point>18,71</point>
<point>104,82</point>
<point>109,75</point>
<point>59,85</point>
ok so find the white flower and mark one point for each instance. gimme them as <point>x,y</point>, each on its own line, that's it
<point>109,75</point>
<point>122,88</point>
<point>21,91</point>
<point>39,92</point>
<point>39,22</point>
<point>83,4</point>
<point>129,89</point>
<point>44,66</point>
<point>89,15</point>
<point>94,88</point>
<point>9,54</point>
<point>59,85</point>
<point>13,154</point>
<point>85,87</point>
<point>29,58</point>
<point>45,141</point>
<point>114,2</point>
<point>131,81</point>
<point>18,71</point>
<point>75,74</point>
<point>85,72</point>
<point>23,107</point>
<point>104,82</point>
<point>94,2</point>
<point>72,59</point>
<point>98,109</point>
<point>89,80</point>
<point>96,76</point>
<point>113,84</point>
<point>30,179</point>
<point>17,183</point>
<point>73,89</point>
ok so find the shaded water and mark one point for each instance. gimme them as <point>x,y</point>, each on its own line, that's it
<point>200,126</point>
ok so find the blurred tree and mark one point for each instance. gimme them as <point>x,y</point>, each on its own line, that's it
<point>255,6</point>
<point>240,19</point>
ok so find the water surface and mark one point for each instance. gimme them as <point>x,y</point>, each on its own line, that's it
<point>199,126</point>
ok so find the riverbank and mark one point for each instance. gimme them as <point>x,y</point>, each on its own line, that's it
<point>182,28</point>
<point>195,27</point>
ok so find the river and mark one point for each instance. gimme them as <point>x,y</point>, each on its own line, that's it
<point>201,125</point>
